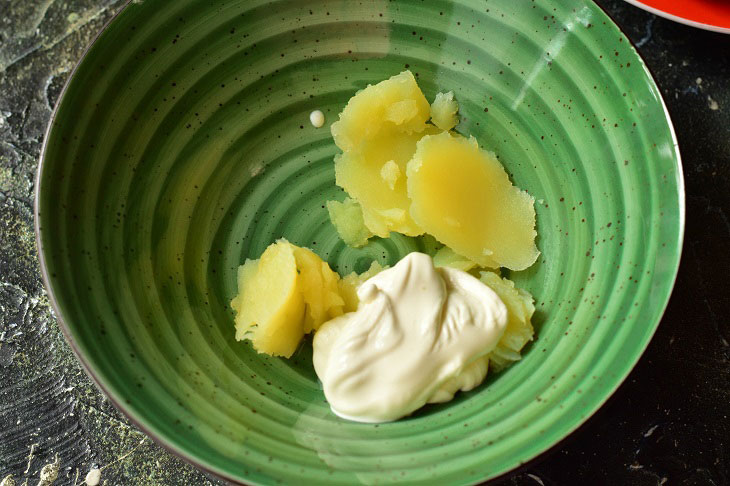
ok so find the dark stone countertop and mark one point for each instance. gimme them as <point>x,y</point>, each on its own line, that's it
<point>667,424</point>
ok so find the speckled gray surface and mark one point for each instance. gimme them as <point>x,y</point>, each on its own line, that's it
<point>666,425</point>
<point>47,403</point>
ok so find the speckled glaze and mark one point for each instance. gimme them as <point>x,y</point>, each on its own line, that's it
<point>182,146</point>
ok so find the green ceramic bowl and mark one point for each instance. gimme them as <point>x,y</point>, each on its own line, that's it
<point>181,146</point>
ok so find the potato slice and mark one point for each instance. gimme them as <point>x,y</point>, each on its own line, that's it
<point>270,307</point>
<point>443,111</point>
<point>246,273</point>
<point>319,288</point>
<point>377,132</point>
<point>385,204</point>
<point>520,308</point>
<point>396,104</point>
<point>334,302</point>
<point>375,176</point>
<point>311,286</point>
<point>349,284</point>
<point>446,257</point>
<point>462,195</point>
<point>348,220</point>
<point>288,292</point>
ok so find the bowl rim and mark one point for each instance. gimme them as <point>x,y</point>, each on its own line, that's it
<point>220,474</point>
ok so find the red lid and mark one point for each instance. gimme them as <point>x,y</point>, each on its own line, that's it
<point>712,14</point>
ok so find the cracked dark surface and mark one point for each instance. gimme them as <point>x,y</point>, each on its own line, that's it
<point>667,424</point>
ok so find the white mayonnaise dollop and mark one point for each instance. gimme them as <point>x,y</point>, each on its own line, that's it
<point>316,118</point>
<point>419,334</point>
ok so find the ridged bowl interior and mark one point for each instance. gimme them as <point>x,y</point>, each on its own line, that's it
<point>182,146</point>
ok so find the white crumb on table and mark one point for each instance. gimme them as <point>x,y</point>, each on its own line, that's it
<point>93,477</point>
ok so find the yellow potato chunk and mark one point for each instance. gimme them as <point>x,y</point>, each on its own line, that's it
<point>319,288</point>
<point>520,307</point>
<point>443,111</point>
<point>270,306</point>
<point>377,132</point>
<point>348,220</point>
<point>462,195</point>
<point>363,173</point>
<point>396,104</point>
<point>288,292</point>
<point>349,284</point>
<point>333,301</point>
<point>446,257</point>
<point>246,273</point>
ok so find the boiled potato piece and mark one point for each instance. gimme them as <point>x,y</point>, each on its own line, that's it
<point>349,284</point>
<point>520,308</point>
<point>396,104</point>
<point>246,273</point>
<point>462,195</point>
<point>288,292</point>
<point>333,301</point>
<point>446,257</point>
<point>443,111</point>
<point>377,132</point>
<point>270,306</point>
<point>319,288</point>
<point>311,286</point>
<point>374,175</point>
<point>348,220</point>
